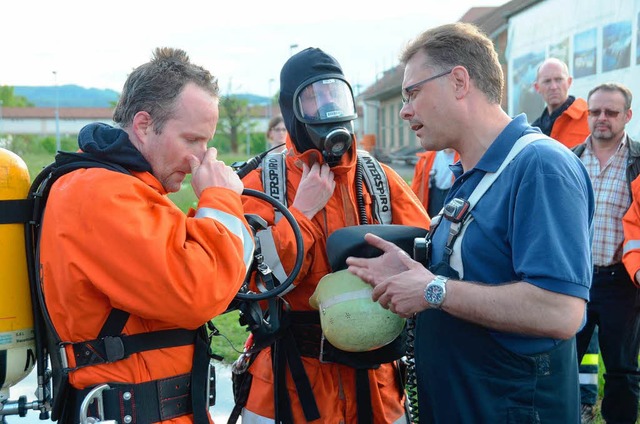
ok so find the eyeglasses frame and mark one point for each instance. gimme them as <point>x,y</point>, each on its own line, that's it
<point>412,87</point>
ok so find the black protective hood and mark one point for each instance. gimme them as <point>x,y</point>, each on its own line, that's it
<point>302,66</point>
<point>113,145</point>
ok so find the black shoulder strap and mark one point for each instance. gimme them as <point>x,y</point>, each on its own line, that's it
<point>15,211</point>
<point>579,149</point>
<point>110,345</point>
<point>378,186</point>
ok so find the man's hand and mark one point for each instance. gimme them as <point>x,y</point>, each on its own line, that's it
<point>315,189</point>
<point>376,270</point>
<point>398,281</point>
<point>211,172</point>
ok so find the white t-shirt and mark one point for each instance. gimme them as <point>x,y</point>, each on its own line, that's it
<point>442,174</point>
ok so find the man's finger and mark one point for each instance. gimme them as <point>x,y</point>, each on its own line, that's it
<point>194,163</point>
<point>379,242</point>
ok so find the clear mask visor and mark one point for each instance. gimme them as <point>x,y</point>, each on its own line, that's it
<point>323,101</point>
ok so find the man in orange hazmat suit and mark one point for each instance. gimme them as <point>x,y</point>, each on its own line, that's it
<point>323,194</point>
<point>128,278</point>
<point>432,178</point>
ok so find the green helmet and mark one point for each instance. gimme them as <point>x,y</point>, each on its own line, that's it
<point>350,319</point>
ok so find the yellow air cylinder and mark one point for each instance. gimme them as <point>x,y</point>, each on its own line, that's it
<point>349,318</point>
<point>17,340</point>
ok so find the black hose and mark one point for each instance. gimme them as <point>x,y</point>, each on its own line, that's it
<point>299,249</point>
<point>411,386</point>
<point>362,211</point>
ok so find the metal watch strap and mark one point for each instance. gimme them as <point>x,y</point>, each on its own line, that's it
<point>436,291</point>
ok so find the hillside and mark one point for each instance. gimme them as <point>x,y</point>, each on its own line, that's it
<point>76,96</point>
<point>68,96</point>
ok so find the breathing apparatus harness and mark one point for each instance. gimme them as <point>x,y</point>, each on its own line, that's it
<point>147,402</point>
<point>301,332</point>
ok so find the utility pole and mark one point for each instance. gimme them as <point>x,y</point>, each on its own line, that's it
<point>55,76</point>
<point>270,99</point>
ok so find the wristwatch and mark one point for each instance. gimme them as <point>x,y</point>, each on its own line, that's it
<point>435,291</point>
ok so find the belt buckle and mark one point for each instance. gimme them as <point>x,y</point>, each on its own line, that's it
<point>211,384</point>
<point>94,395</point>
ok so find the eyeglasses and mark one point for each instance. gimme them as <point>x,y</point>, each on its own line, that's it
<point>279,129</point>
<point>595,113</point>
<point>408,93</point>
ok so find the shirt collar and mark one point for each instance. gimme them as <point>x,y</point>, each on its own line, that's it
<point>499,149</point>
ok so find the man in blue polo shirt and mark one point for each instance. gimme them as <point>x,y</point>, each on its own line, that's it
<point>509,271</point>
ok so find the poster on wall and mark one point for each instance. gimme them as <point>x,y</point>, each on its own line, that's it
<point>585,53</point>
<point>560,50</point>
<point>524,75</point>
<point>596,44</point>
<point>638,40</point>
<point>616,46</point>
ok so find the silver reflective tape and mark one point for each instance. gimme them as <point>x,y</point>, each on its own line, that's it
<point>249,417</point>
<point>235,226</point>
<point>345,297</point>
<point>588,378</point>
<point>631,245</point>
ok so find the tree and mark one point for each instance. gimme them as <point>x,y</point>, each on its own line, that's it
<point>234,118</point>
<point>9,99</point>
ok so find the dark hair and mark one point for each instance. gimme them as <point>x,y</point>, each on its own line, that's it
<point>461,44</point>
<point>155,86</point>
<point>273,122</point>
<point>614,86</point>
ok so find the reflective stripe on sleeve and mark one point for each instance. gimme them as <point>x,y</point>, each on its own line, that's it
<point>235,226</point>
<point>631,245</point>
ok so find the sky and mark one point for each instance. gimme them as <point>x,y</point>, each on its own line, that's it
<point>244,43</point>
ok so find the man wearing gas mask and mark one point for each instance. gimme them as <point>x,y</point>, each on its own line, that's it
<point>324,192</point>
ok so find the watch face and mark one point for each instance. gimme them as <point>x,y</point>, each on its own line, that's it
<point>434,294</point>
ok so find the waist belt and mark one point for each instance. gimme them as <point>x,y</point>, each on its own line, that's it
<point>619,267</point>
<point>307,333</point>
<point>142,403</point>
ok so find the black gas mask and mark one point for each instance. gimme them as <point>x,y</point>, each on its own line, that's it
<point>324,104</point>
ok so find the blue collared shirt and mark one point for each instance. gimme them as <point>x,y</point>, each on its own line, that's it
<point>533,224</point>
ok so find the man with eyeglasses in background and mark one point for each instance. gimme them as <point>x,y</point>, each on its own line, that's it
<point>612,159</point>
<point>565,117</point>
<point>503,287</point>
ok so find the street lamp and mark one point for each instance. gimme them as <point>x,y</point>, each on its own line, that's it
<point>270,98</point>
<point>55,77</point>
<point>291,47</point>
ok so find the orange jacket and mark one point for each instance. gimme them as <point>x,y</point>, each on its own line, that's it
<point>421,174</point>
<point>571,127</point>
<point>333,384</point>
<point>631,225</point>
<point>110,240</point>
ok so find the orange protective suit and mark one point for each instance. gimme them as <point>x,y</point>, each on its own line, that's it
<point>571,127</point>
<point>111,240</point>
<point>333,384</point>
<point>421,175</point>
<point>631,225</point>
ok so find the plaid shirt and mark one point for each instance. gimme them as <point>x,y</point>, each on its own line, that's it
<point>612,201</point>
